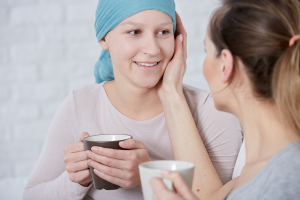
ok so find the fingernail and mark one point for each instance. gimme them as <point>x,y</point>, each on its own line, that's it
<point>165,172</point>
<point>124,143</point>
<point>180,37</point>
<point>94,149</point>
<point>96,171</point>
<point>87,153</point>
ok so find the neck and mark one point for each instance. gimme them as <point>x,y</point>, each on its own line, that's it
<point>132,101</point>
<point>265,132</point>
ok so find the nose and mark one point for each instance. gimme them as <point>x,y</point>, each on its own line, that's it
<point>151,46</point>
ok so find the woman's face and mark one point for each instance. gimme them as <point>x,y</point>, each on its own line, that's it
<point>211,72</point>
<point>141,46</point>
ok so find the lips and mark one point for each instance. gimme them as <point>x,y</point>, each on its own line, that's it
<point>147,64</point>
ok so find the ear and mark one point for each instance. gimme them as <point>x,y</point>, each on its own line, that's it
<point>103,44</point>
<point>226,66</point>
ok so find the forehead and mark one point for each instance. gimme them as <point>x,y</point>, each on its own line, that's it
<point>148,17</point>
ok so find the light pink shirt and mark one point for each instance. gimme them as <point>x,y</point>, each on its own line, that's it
<point>89,109</point>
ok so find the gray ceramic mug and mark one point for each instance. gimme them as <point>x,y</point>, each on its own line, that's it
<point>152,169</point>
<point>106,141</point>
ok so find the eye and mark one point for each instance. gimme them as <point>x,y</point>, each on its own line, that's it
<point>135,32</point>
<point>164,32</point>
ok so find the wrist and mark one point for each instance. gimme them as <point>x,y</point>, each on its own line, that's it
<point>171,95</point>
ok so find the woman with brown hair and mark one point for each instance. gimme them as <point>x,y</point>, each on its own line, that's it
<point>253,70</point>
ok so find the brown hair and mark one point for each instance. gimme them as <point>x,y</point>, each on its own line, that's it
<point>258,32</point>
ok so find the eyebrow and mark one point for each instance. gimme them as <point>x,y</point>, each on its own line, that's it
<point>138,24</point>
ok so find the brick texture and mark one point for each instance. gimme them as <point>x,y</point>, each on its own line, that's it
<point>36,14</point>
<point>3,16</point>
<point>47,49</point>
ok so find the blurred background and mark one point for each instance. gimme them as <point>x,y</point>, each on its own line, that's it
<point>48,49</point>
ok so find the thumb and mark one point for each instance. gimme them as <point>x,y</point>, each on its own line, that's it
<point>178,54</point>
<point>179,183</point>
<point>159,189</point>
<point>132,144</point>
<point>83,135</point>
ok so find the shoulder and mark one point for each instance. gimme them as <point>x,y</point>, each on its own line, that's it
<point>203,108</point>
<point>86,96</point>
<point>282,179</point>
<point>87,92</point>
<point>286,162</point>
<point>195,97</point>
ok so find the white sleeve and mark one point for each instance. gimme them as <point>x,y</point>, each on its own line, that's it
<point>240,161</point>
<point>49,179</point>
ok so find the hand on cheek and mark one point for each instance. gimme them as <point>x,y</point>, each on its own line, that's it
<point>119,167</point>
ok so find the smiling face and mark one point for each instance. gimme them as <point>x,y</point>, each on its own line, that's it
<point>141,47</point>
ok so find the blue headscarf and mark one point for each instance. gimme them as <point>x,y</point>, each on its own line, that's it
<point>110,13</point>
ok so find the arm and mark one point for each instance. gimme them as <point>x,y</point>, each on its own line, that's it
<point>160,191</point>
<point>49,179</point>
<point>188,146</point>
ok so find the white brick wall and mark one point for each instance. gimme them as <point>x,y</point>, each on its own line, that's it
<point>47,49</point>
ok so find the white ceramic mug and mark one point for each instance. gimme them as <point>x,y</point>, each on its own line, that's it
<point>152,169</point>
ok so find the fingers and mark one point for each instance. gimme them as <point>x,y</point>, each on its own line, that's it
<point>83,135</point>
<point>110,171</point>
<point>117,181</point>
<point>75,157</point>
<point>132,144</point>
<point>160,191</point>
<point>78,166</point>
<point>181,30</point>
<point>111,162</point>
<point>75,147</point>
<point>111,153</point>
<point>179,54</point>
<point>81,176</point>
<point>179,184</point>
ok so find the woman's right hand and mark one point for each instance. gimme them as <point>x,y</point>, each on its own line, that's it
<point>76,162</point>
<point>161,192</point>
<point>171,83</point>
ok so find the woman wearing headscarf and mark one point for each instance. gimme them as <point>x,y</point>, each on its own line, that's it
<point>137,38</point>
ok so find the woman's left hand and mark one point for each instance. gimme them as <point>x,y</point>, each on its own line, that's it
<point>161,192</point>
<point>119,167</point>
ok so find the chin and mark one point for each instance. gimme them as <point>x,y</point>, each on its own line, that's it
<point>146,82</point>
<point>221,105</point>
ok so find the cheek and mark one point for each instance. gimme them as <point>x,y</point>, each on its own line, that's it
<point>168,48</point>
<point>208,71</point>
<point>123,51</point>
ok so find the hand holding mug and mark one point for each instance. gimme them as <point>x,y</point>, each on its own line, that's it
<point>76,162</point>
<point>119,167</point>
<point>157,173</point>
<point>160,192</point>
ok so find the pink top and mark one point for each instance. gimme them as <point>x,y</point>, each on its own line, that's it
<point>89,109</point>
